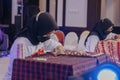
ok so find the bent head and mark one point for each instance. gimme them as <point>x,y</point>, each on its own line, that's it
<point>107,26</point>
<point>45,23</point>
<point>44,26</point>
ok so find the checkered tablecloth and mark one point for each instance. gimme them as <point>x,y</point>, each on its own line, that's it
<point>48,67</point>
<point>111,48</point>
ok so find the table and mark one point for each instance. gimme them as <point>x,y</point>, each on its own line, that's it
<point>49,67</point>
<point>111,48</point>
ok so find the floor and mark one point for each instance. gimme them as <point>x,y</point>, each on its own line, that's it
<point>3,66</point>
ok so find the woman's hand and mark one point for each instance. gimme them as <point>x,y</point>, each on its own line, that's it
<point>59,50</point>
<point>117,36</point>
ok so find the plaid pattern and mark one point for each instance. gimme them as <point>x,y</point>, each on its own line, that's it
<point>48,67</point>
<point>111,48</point>
<point>102,59</point>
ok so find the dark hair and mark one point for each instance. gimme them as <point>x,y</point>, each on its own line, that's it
<point>100,29</point>
<point>45,24</point>
<point>40,27</point>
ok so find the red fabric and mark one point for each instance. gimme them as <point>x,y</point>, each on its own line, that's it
<point>109,47</point>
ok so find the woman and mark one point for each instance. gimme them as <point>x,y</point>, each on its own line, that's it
<point>33,38</point>
<point>101,31</point>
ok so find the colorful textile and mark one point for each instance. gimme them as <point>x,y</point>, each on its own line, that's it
<point>111,48</point>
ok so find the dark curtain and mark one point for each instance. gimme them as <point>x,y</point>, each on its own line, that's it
<point>5,11</point>
<point>31,7</point>
<point>1,11</point>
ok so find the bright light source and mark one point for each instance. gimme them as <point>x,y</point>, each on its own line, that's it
<point>105,71</point>
<point>107,74</point>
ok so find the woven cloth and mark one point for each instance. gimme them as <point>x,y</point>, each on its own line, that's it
<point>111,48</point>
<point>49,67</point>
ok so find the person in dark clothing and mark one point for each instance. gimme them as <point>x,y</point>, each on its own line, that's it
<point>34,38</point>
<point>101,31</point>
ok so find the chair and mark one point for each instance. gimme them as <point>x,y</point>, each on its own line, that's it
<point>60,35</point>
<point>71,41</point>
<point>81,46</point>
<point>4,45</point>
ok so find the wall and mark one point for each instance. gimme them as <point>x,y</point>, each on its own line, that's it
<point>53,8</point>
<point>111,10</point>
<point>14,10</point>
<point>76,13</point>
<point>42,5</point>
<point>60,12</point>
<point>116,11</point>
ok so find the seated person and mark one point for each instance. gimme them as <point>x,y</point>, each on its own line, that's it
<point>34,37</point>
<point>101,31</point>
